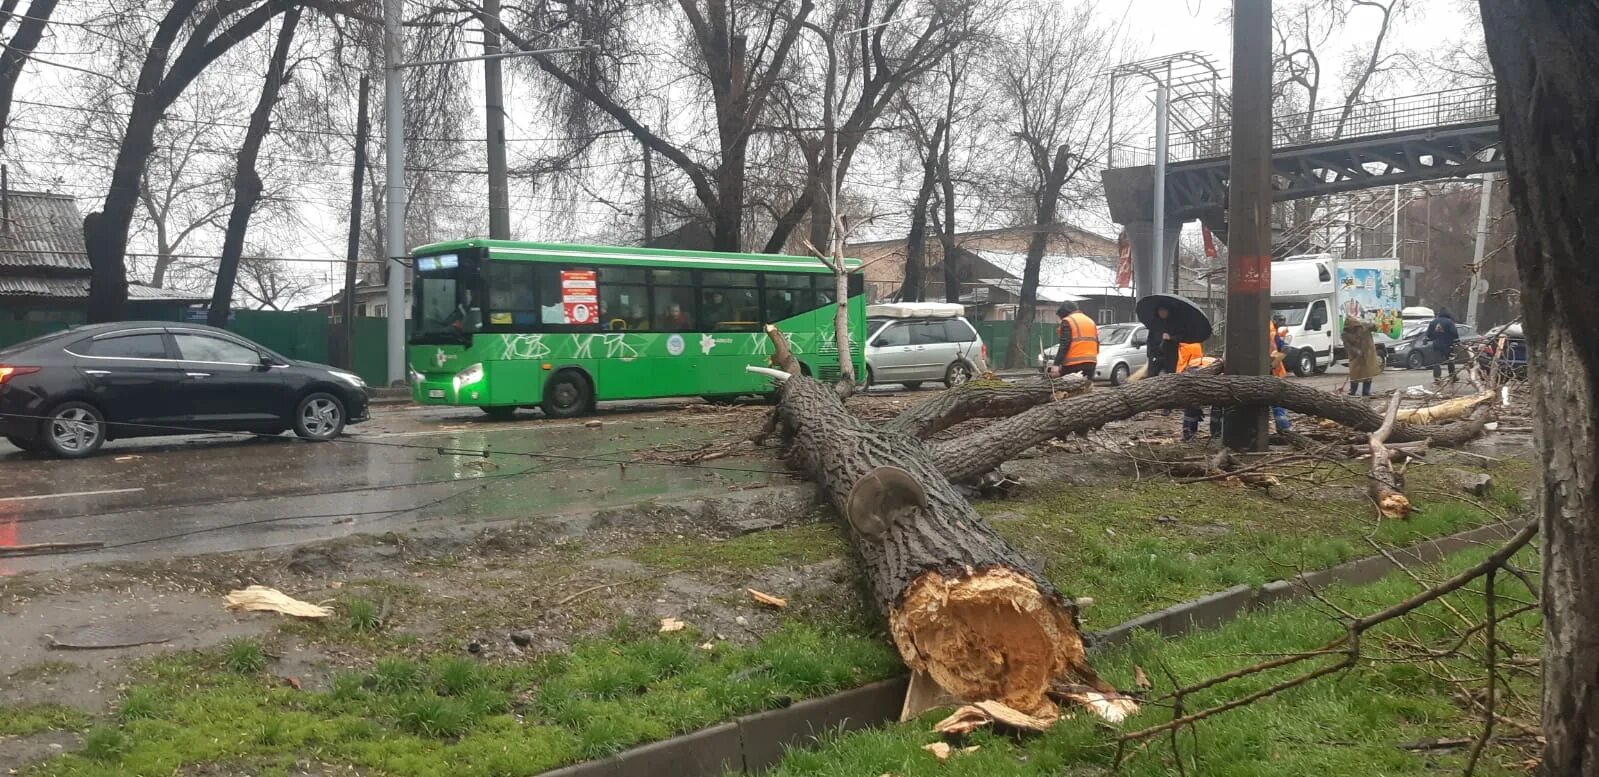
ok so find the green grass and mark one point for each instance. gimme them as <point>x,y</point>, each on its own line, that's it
<point>361,616</point>
<point>1348,724</point>
<point>806,544</point>
<point>1138,547</point>
<point>457,716</point>
<point>25,719</point>
<point>244,656</point>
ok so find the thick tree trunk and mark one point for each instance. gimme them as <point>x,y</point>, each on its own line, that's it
<point>961,604</point>
<point>29,32</point>
<point>978,453</point>
<point>1048,196</point>
<point>982,399</point>
<point>247,182</point>
<point>916,243</point>
<point>1546,56</point>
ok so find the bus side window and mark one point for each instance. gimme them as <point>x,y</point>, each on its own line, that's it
<point>672,300</point>
<point>512,294</point>
<point>624,299</point>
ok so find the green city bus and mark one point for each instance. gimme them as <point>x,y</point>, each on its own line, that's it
<point>501,325</point>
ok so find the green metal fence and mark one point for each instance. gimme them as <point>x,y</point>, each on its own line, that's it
<point>997,335</point>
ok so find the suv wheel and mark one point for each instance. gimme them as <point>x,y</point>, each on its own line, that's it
<point>73,430</point>
<point>319,417</point>
<point>958,373</point>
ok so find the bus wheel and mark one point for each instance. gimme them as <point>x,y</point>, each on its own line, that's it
<point>567,395</point>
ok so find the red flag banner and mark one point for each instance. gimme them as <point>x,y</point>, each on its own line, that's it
<point>1210,242</point>
<point>1124,261</point>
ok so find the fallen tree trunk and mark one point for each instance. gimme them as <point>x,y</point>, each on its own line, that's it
<point>1459,407</point>
<point>980,452</point>
<point>961,604</point>
<point>983,399</point>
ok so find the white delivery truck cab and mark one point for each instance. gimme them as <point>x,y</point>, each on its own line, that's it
<point>1315,293</point>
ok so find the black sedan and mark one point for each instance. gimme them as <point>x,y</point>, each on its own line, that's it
<point>68,392</point>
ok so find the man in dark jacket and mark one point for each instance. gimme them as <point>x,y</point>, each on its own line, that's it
<point>1442,336</point>
<point>1161,349</point>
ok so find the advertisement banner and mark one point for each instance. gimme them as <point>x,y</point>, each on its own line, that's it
<point>1372,290</point>
<point>580,297</point>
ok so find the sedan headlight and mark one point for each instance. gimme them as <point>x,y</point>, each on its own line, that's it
<point>349,377</point>
<point>468,376</point>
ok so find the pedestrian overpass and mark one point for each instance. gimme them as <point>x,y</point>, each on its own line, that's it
<point>1447,134</point>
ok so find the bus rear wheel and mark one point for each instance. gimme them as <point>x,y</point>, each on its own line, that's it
<point>567,395</point>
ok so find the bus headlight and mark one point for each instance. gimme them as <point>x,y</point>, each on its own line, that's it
<point>468,376</point>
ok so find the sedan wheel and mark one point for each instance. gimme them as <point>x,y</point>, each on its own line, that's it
<point>958,374</point>
<point>1119,374</point>
<point>1415,361</point>
<point>319,417</point>
<point>73,430</point>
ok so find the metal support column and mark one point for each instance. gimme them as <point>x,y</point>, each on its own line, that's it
<point>1477,254</point>
<point>1162,105</point>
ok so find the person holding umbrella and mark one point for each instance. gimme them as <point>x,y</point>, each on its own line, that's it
<point>1078,353</point>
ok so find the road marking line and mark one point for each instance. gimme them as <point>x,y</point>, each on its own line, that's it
<point>69,494</point>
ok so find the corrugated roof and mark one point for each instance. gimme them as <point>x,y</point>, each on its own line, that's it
<point>1062,277</point>
<point>78,288</point>
<point>46,233</point>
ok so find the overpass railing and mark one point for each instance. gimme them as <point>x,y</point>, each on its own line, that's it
<point>1380,117</point>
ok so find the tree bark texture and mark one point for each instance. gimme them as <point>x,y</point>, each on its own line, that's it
<point>980,452</point>
<point>1545,54</point>
<point>247,181</point>
<point>962,605</point>
<point>982,399</point>
<point>1052,179</point>
<point>30,30</point>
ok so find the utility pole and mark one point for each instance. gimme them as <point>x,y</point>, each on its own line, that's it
<point>1480,251</point>
<point>352,253</point>
<point>649,197</point>
<point>394,184</point>
<point>494,108</point>
<point>1249,217</point>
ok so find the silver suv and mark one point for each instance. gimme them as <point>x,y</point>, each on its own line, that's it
<point>910,346</point>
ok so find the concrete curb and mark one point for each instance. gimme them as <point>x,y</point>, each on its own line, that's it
<point>753,743</point>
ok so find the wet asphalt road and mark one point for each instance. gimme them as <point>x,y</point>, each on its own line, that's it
<point>406,468</point>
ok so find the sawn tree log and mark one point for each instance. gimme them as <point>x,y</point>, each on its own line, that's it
<point>961,604</point>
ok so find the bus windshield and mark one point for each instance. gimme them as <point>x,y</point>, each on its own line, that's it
<point>446,307</point>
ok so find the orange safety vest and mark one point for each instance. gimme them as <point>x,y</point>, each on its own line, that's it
<point>1084,345</point>
<point>1189,355</point>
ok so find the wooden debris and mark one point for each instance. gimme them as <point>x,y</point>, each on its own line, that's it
<point>963,721</point>
<point>1141,678</point>
<point>669,625</point>
<point>923,694</point>
<point>1111,707</point>
<point>263,599</point>
<point>1443,411</point>
<point>1385,485</point>
<point>1016,719</point>
<point>767,599</point>
<point>940,750</point>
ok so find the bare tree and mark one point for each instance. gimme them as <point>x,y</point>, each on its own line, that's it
<point>1055,96</point>
<point>190,36</point>
<point>28,32</point>
<point>1545,54</point>
<point>247,180</point>
<point>916,243</point>
<point>269,284</point>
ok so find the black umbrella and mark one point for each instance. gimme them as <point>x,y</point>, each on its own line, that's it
<point>1186,322</point>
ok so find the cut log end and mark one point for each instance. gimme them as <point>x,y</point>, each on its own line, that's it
<point>988,635</point>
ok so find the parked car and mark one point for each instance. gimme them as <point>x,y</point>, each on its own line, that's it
<point>1121,352</point>
<point>68,392</point>
<point>1412,351</point>
<point>911,343</point>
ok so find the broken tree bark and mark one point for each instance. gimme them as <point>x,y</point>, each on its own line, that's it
<point>982,399</point>
<point>961,604</point>
<point>1460,407</point>
<point>980,452</point>
<point>1385,484</point>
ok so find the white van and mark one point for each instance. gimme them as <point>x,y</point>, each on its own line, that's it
<point>1313,292</point>
<point>910,343</point>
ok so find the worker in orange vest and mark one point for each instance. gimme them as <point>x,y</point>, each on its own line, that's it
<point>1191,356</point>
<point>1279,352</point>
<point>1078,353</point>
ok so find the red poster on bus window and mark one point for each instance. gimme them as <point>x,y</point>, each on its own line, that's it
<point>580,296</point>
